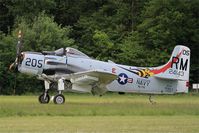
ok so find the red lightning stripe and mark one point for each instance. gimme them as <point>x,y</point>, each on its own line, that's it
<point>167,66</point>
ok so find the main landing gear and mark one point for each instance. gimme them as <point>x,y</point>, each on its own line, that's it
<point>58,99</point>
<point>44,98</point>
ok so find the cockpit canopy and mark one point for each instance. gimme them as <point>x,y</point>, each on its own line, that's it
<point>59,52</point>
<point>72,51</point>
<point>68,52</point>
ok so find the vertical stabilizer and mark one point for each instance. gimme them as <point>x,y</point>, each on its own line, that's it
<point>178,65</point>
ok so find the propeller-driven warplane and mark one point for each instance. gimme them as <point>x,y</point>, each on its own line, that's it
<point>74,71</point>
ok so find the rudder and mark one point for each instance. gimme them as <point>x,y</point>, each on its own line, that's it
<point>177,67</point>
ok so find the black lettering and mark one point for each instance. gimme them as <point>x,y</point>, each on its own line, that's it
<point>183,66</point>
<point>143,82</point>
<point>148,82</point>
<point>34,63</point>
<point>175,60</point>
<point>186,52</point>
<point>176,72</point>
<point>139,81</point>
<point>39,63</point>
<point>28,61</point>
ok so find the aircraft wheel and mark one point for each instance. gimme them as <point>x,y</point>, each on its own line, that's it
<point>42,100</point>
<point>59,99</point>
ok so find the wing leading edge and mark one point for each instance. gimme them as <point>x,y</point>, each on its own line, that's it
<point>94,81</point>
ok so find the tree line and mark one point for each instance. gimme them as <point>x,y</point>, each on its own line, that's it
<point>131,32</point>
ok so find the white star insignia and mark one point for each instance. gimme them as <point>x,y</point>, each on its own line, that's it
<point>122,78</point>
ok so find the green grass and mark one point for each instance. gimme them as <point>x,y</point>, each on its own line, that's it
<point>100,124</point>
<point>111,113</point>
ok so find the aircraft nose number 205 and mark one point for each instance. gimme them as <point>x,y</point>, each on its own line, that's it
<point>33,62</point>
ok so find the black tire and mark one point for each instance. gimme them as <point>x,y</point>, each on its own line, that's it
<point>42,100</point>
<point>59,99</point>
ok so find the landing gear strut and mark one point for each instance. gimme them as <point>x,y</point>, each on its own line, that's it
<point>59,98</point>
<point>45,98</point>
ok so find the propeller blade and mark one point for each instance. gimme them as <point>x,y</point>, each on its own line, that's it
<point>11,66</point>
<point>18,51</point>
<point>14,64</point>
<point>19,43</point>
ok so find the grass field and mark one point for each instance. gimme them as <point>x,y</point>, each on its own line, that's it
<point>108,114</point>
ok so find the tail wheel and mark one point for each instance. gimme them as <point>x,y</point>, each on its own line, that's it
<point>59,99</point>
<point>44,100</point>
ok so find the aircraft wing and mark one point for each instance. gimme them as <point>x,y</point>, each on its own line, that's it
<point>88,77</point>
<point>94,81</point>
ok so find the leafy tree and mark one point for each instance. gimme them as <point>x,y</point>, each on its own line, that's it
<point>165,24</point>
<point>104,45</point>
<point>30,8</point>
<point>112,18</point>
<point>6,52</point>
<point>132,32</point>
<point>42,34</point>
<point>6,18</point>
<point>132,52</point>
<point>67,12</point>
<point>12,10</point>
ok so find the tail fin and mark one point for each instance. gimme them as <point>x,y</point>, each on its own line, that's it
<point>178,66</point>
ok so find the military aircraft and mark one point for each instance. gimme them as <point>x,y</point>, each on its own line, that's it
<point>74,71</point>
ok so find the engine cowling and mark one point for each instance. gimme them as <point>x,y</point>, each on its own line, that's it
<point>31,63</point>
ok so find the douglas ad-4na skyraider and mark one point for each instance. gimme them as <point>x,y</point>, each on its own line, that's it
<point>74,71</point>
